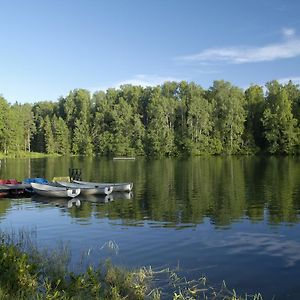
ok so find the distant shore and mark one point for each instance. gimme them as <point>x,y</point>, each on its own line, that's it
<point>24,154</point>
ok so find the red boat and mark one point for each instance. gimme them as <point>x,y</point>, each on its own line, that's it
<point>12,187</point>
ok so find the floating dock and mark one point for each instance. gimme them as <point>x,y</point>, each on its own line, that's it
<point>124,158</point>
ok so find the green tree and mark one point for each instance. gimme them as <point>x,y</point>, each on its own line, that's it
<point>6,123</point>
<point>293,93</point>
<point>160,130</point>
<point>82,141</point>
<point>62,136</point>
<point>229,115</point>
<point>278,121</point>
<point>101,134</point>
<point>77,110</point>
<point>49,138</point>
<point>253,136</point>
<point>194,120</point>
<point>40,111</point>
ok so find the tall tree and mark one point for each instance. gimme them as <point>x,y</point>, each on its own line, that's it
<point>49,138</point>
<point>194,120</point>
<point>77,109</point>
<point>40,111</point>
<point>82,141</point>
<point>62,136</point>
<point>278,121</point>
<point>229,115</point>
<point>255,101</point>
<point>160,130</point>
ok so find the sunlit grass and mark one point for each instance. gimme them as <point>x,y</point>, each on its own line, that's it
<point>26,154</point>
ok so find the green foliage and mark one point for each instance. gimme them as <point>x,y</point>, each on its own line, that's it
<point>160,139</point>
<point>279,124</point>
<point>82,142</point>
<point>62,136</point>
<point>18,275</point>
<point>253,136</point>
<point>229,115</point>
<point>167,120</point>
<point>50,144</point>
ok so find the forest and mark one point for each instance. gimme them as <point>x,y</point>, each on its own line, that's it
<point>175,118</point>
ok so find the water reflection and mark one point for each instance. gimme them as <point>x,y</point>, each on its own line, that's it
<point>262,244</point>
<point>59,202</point>
<point>178,192</point>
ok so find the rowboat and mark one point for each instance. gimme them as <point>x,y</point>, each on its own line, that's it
<point>28,181</point>
<point>85,189</point>
<point>117,187</point>
<point>54,191</point>
<point>4,190</point>
<point>12,186</point>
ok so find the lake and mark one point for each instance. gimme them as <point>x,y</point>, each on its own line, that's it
<point>228,218</point>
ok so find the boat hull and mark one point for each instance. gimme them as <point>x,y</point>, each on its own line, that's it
<point>53,191</point>
<point>87,190</point>
<point>117,187</point>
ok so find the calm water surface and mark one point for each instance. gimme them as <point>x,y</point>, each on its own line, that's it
<point>235,219</point>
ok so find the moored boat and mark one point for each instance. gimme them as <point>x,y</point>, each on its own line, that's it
<point>117,187</point>
<point>13,186</point>
<point>34,180</point>
<point>4,190</point>
<point>86,189</point>
<point>54,191</point>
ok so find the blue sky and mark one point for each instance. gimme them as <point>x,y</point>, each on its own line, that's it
<point>51,47</point>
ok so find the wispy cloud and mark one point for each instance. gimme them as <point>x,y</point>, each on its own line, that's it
<point>288,32</point>
<point>288,48</point>
<point>147,80</point>
<point>139,80</point>
<point>264,244</point>
<point>285,80</point>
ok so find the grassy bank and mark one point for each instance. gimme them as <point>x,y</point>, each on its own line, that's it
<point>28,273</point>
<point>25,154</point>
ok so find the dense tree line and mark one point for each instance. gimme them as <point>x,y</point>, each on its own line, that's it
<point>167,120</point>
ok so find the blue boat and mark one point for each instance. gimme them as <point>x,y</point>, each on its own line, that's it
<point>34,180</point>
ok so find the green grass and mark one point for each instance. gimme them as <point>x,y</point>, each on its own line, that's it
<point>25,154</point>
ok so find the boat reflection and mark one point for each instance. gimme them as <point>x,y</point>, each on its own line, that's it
<point>60,202</point>
<point>107,198</point>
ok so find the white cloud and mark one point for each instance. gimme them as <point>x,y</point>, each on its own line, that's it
<point>288,48</point>
<point>295,80</point>
<point>139,80</point>
<point>288,32</point>
<point>147,80</point>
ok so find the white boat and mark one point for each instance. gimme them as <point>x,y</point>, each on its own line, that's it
<point>85,189</point>
<point>54,191</point>
<point>117,187</point>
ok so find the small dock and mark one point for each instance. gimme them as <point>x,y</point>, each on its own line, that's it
<point>124,158</point>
